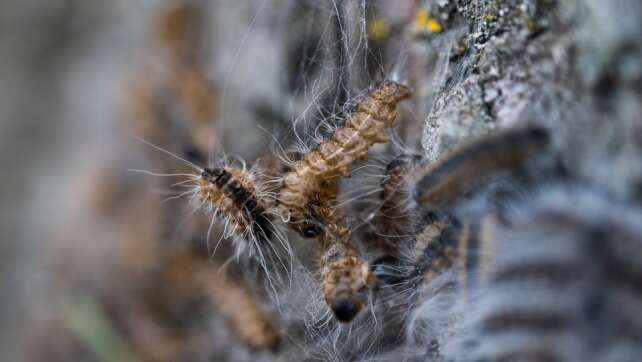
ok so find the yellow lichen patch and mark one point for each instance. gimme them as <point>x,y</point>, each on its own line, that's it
<point>433,26</point>
<point>424,23</point>
<point>378,29</point>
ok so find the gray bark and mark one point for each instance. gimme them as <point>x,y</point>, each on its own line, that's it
<point>573,66</point>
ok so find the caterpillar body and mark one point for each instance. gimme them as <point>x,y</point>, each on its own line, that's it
<point>465,169</point>
<point>450,244</point>
<point>314,176</point>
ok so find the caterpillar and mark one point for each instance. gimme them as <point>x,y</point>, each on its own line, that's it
<point>451,248</point>
<point>315,176</point>
<point>236,302</point>
<point>171,95</point>
<point>345,276</point>
<point>395,220</point>
<point>442,238</point>
<point>468,167</point>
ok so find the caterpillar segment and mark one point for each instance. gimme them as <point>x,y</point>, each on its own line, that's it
<point>317,174</point>
<point>411,186</point>
<point>232,194</point>
<point>442,241</point>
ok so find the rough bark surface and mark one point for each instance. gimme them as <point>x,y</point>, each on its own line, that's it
<point>573,66</point>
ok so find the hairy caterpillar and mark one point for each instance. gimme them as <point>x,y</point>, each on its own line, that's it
<point>395,220</point>
<point>415,193</point>
<point>190,272</point>
<point>562,285</point>
<point>314,175</point>
<point>313,182</point>
<point>171,101</point>
<point>345,277</point>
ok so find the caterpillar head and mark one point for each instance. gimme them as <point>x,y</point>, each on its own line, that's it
<point>391,92</point>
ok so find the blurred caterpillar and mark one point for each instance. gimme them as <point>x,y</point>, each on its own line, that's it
<point>560,281</point>
<point>452,250</point>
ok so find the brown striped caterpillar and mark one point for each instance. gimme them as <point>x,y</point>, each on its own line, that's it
<point>412,187</point>
<point>236,195</point>
<point>395,220</point>
<point>191,273</point>
<point>450,252</point>
<point>315,176</point>
<point>307,200</point>
<point>345,277</point>
<point>171,100</point>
